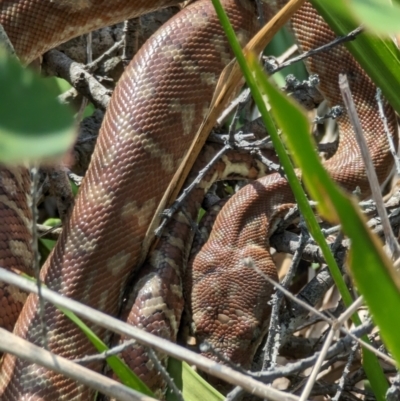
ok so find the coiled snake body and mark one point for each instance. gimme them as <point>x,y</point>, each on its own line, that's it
<point>159,102</point>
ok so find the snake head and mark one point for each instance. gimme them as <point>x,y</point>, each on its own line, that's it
<point>230,302</point>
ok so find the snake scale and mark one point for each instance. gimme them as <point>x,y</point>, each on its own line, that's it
<point>157,106</point>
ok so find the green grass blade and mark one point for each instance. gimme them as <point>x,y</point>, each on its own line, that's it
<point>191,384</point>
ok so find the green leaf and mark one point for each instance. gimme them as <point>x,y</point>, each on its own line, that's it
<point>33,125</point>
<point>192,386</point>
<point>74,187</point>
<point>57,86</point>
<point>378,15</point>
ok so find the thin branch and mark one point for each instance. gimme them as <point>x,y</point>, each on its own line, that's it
<point>104,355</point>
<point>274,332</point>
<point>89,48</point>
<point>6,42</point>
<point>321,357</point>
<point>58,64</point>
<point>346,371</point>
<point>36,255</point>
<point>370,170</point>
<point>130,39</point>
<point>342,346</point>
<point>244,97</point>
<point>273,167</point>
<point>150,340</point>
<point>92,66</point>
<point>333,113</point>
<point>89,59</point>
<point>243,140</point>
<point>168,213</point>
<point>249,263</point>
<point>47,232</point>
<point>386,127</point>
<point>21,348</point>
<point>167,378</point>
<point>327,47</point>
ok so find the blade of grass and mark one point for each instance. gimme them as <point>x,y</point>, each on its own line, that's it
<point>370,363</point>
<point>191,384</point>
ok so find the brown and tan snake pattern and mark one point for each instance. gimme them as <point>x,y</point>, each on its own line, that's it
<point>156,108</point>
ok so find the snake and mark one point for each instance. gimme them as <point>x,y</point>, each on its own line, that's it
<point>158,104</point>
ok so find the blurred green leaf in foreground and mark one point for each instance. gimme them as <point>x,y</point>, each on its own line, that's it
<point>33,124</point>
